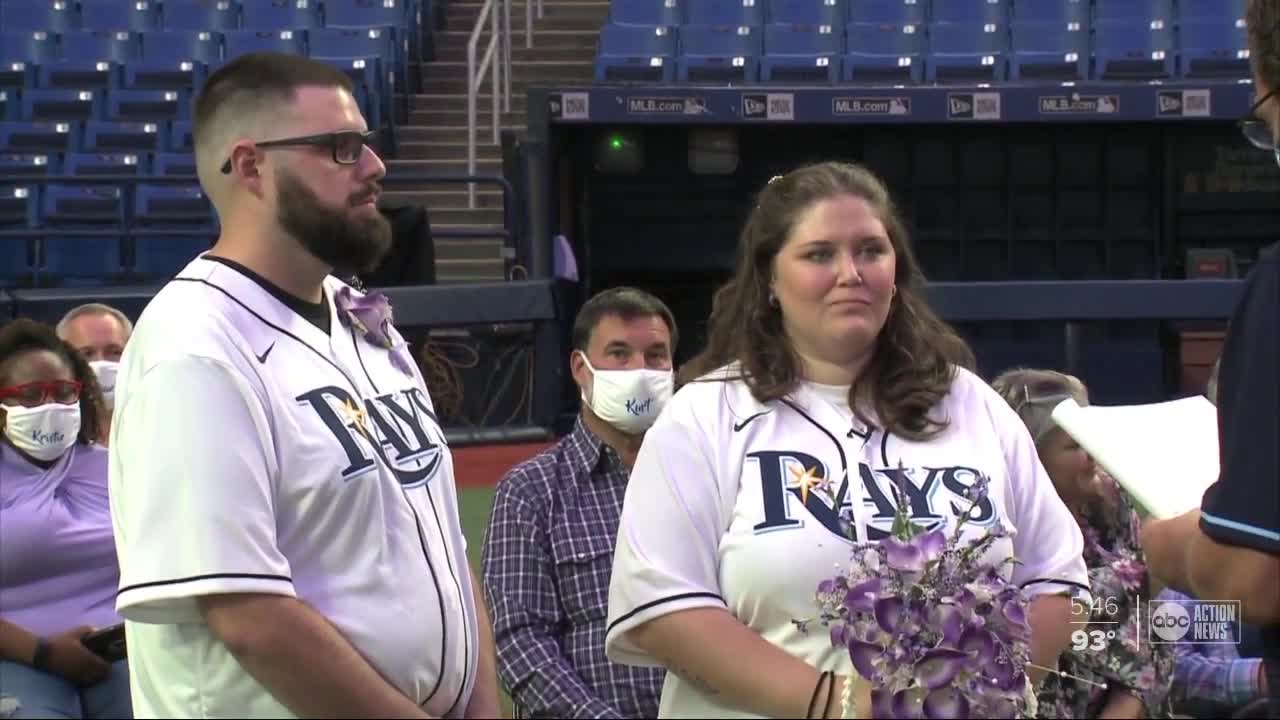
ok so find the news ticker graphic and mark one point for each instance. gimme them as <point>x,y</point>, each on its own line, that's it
<point>1159,621</point>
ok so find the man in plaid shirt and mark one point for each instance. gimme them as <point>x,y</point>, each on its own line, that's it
<point>549,550</point>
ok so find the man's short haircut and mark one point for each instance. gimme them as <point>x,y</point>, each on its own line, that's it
<point>627,303</point>
<point>246,93</point>
<point>94,309</point>
<point>1262,18</point>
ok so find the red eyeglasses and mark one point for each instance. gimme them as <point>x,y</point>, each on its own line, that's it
<point>40,393</point>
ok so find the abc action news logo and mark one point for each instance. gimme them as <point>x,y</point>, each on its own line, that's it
<point>1209,622</point>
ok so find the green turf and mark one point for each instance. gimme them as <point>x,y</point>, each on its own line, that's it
<point>473,508</point>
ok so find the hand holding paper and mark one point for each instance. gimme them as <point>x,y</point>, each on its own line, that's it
<point>1165,455</point>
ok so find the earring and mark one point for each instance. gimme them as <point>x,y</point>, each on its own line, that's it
<point>773,300</point>
<point>893,292</point>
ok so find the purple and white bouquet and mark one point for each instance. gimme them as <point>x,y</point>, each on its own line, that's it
<point>932,624</point>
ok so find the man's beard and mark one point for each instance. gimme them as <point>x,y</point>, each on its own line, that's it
<point>335,237</point>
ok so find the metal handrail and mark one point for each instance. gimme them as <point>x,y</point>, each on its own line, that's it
<point>501,48</point>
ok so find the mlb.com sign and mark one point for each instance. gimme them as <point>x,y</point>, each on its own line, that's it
<point>1212,622</point>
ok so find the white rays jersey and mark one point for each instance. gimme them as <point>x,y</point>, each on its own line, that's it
<point>735,504</point>
<point>253,453</point>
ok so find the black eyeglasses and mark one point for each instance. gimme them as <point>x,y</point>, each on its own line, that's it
<point>1256,130</point>
<point>346,147</point>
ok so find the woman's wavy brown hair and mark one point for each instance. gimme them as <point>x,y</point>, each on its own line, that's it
<point>916,353</point>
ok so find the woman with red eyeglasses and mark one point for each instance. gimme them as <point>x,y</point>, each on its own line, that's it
<point>58,567</point>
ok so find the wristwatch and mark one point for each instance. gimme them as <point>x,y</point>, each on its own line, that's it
<point>40,658</point>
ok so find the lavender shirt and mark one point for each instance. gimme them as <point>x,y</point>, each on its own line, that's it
<point>58,565</point>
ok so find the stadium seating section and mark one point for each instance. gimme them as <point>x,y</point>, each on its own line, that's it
<point>915,41</point>
<point>101,90</point>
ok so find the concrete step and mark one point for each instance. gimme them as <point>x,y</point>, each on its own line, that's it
<point>457,115</point>
<point>447,78</point>
<point>465,13</point>
<point>462,272</point>
<point>458,101</point>
<point>469,249</point>
<point>463,216</point>
<point>450,41</point>
<point>584,22</point>
<point>442,132</point>
<point>456,197</point>
<point>454,168</point>
<point>449,151</point>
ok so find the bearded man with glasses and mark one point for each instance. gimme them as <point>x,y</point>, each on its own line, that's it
<point>1229,549</point>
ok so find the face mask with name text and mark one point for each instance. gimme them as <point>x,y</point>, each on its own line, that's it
<point>44,432</point>
<point>629,400</point>
<point>106,370</point>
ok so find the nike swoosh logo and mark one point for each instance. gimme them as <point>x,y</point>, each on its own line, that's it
<point>263,357</point>
<point>737,427</point>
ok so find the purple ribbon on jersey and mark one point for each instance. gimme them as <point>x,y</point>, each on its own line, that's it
<point>370,315</point>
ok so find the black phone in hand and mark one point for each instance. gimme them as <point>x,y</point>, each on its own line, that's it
<point>107,643</point>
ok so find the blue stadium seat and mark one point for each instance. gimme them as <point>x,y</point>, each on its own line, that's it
<point>43,105</point>
<point>175,46</point>
<point>81,260</point>
<point>883,54</point>
<point>1051,11</point>
<point>17,251</point>
<point>108,164</point>
<point>88,59</point>
<point>18,205</point>
<point>26,137</point>
<point>1132,51</point>
<point>1105,11</point>
<point>372,87</point>
<point>171,204</point>
<point>209,15</point>
<point>35,46</point>
<point>178,137</point>
<point>801,53</point>
<point>364,13</point>
<point>7,109</point>
<point>352,42</point>
<point>32,15</point>
<point>241,42</point>
<point>965,53</point>
<point>886,12</point>
<point>110,137</point>
<point>979,12</point>
<point>713,54</point>
<point>1051,51</point>
<point>139,16</point>
<point>1230,11</point>
<point>279,14</point>
<point>156,258</point>
<point>169,163</point>
<point>82,204</point>
<point>724,13</point>
<point>635,53</point>
<point>663,13</point>
<point>1213,49</point>
<point>807,12</point>
<point>13,165</point>
<point>147,105</point>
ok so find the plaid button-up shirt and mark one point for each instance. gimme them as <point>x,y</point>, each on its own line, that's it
<point>546,564</point>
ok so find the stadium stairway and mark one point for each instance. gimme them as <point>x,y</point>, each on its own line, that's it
<point>435,138</point>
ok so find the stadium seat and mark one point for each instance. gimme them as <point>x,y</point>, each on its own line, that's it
<point>198,15</point>
<point>1110,11</point>
<point>364,13</point>
<point>139,16</point>
<point>801,53</point>
<point>1132,51</point>
<point>156,258</point>
<point>973,12</point>
<point>39,15</point>
<point>13,165</point>
<point>38,138</point>
<point>43,105</point>
<point>171,204</point>
<point>18,205</point>
<point>1212,49</point>
<point>966,52</point>
<point>88,59</point>
<point>7,109</point>
<point>241,42</point>
<point>108,164</point>
<point>886,12</point>
<point>881,54</point>
<point>110,137</point>
<point>175,46</point>
<point>80,260</point>
<point>147,105</point>
<point>82,204</point>
<point>724,13</point>
<point>635,53</point>
<point>165,164</point>
<point>279,14</point>
<point>830,13</point>
<point>1229,11</point>
<point>352,42</point>
<point>713,54</point>
<point>28,46</point>
<point>178,137</point>
<point>663,13</point>
<point>1075,12</point>
<point>1051,51</point>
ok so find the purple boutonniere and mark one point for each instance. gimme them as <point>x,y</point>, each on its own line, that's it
<point>370,316</point>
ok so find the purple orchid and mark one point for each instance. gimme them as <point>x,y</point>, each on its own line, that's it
<point>370,316</point>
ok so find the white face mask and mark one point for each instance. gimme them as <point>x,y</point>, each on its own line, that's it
<point>44,432</point>
<point>629,400</point>
<point>106,371</point>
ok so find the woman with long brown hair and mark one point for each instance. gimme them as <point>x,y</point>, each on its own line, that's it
<point>827,385</point>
